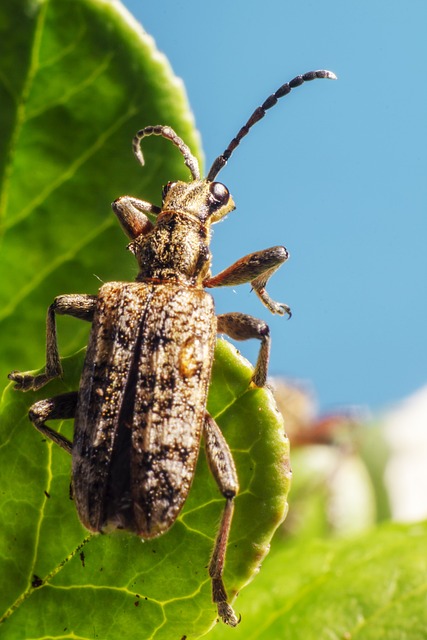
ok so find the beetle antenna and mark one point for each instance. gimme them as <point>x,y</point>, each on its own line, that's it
<point>169,134</point>
<point>259,113</point>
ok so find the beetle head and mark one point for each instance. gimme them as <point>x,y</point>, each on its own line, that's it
<point>207,201</point>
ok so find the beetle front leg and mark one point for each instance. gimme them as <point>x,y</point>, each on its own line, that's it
<point>131,214</point>
<point>79,306</point>
<point>240,326</point>
<point>58,408</point>
<point>256,268</point>
<point>221,464</point>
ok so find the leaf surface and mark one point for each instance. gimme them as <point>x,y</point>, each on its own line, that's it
<point>362,588</point>
<point>78,78</point>
<point>100,585</point>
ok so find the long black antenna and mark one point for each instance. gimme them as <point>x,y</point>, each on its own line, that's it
<point>259,113</point>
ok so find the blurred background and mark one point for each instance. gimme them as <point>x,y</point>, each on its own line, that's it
<point>335,172</point>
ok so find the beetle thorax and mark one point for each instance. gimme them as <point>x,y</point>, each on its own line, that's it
<point>178,246</point>
<point>177,249</point>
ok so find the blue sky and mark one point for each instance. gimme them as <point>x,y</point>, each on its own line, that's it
<point>336,172</point>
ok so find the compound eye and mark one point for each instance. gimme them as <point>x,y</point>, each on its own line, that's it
<point>219,195</point>
<point>166,188</point>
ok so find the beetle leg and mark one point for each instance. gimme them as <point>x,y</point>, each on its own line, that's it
<point>221,464</point>
<point>256,268</point>
<point>240,326</point>
<point>79,306</point>
<point>131,214</point>
<point>58,408</point>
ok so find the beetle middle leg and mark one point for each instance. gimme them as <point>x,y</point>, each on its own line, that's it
<point>256,268</point>
<point>240,326</point>
<point>81,306</point>
<point>222,466</point>
<point>58,408</point>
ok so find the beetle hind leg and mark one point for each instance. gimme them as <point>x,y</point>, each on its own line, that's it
<point>216,567</point>
<point>221,464</point>
<point>58,408</point>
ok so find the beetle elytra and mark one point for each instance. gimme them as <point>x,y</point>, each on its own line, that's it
<point>140,410</point>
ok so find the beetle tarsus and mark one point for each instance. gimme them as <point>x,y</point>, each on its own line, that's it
<point>26,381</point>
<point>227,614</point>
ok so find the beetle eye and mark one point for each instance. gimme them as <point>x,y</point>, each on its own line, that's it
<point>219,195</point>
<point>166,189</point>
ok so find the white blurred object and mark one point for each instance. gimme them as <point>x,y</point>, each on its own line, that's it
<point>405,431</point>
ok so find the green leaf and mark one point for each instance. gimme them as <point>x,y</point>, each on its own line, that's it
<point>365,588</point>
<point>77,79</point>
<point>158,589</point>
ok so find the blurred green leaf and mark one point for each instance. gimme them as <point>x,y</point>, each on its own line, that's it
<point>363,588</point>
<point>78,78</point>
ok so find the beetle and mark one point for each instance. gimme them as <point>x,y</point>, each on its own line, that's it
<point>140,410</point>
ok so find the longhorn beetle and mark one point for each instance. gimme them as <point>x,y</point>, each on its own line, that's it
<point>140,410</point>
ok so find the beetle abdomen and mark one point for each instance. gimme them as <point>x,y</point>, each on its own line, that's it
<point>142,405</point>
